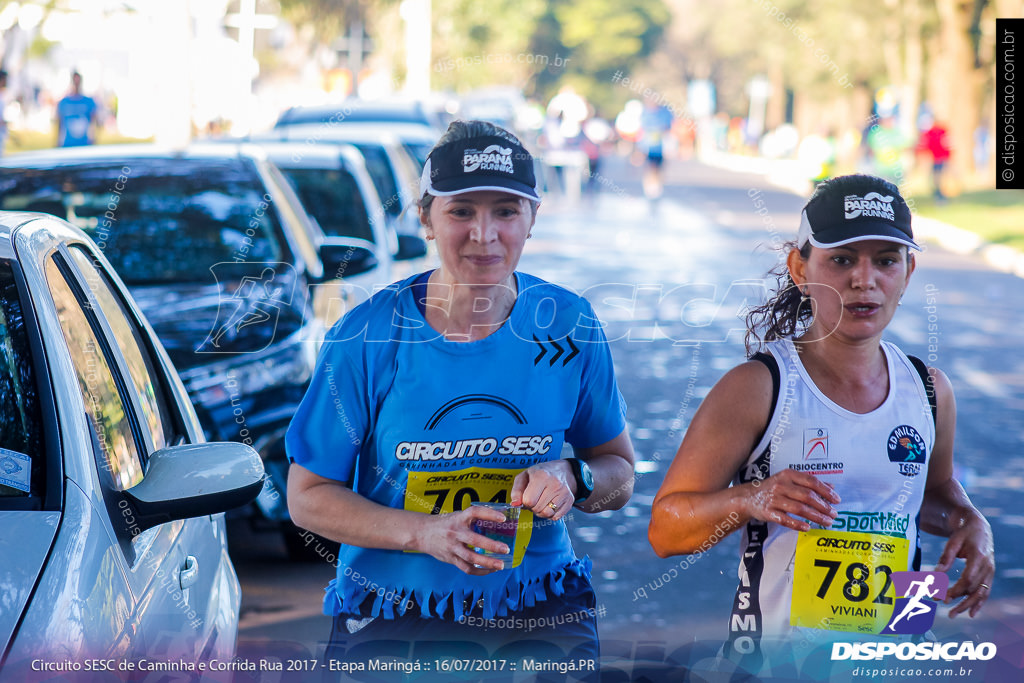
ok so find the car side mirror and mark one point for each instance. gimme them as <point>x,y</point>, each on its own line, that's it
<point>348,258</point>
<point>193,480</point>
<point>410,246</point>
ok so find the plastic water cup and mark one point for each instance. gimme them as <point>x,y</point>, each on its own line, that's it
<point>504,532</point>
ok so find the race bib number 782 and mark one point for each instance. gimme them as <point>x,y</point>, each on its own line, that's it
<point>842,580</point>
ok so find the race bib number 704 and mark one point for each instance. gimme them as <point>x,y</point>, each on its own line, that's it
<point>443,492</point>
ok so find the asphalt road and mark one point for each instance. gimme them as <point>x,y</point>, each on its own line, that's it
<point>669,280</point>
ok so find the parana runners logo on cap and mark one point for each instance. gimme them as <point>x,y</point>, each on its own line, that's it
<point>872,204</point>
<point>493,158</point>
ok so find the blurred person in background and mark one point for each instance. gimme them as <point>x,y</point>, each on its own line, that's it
<point>76,116</point>
<point>441,391</point>
<point>627,126</point>
<point>597,133</point>
<point>564,141</point>
<point>885,144</point>
<point>685,132</point>
<point>818,152</point>
<point>655,124</point>
<point>982,148</point>
<point>934,142</point>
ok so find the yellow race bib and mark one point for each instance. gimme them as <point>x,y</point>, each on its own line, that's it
<point>841,580</point>
<point>442,492</point>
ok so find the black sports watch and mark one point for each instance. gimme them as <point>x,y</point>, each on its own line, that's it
<point>584,479</point>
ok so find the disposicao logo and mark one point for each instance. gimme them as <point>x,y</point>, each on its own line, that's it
<point>872,204</point>
<point>924,651</point>
<point>917,595</point>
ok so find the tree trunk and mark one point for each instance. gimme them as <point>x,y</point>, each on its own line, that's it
<point>893,31</point>
<point>913,64</point>
<point>959,99</point>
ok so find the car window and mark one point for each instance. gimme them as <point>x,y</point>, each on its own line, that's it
<point>407,170</point>
<point>419,151</point>
<point>21,430</point>
<point>379,167</point>
<point>157,220</point>
<point>120,462</point>
<point>332,197</point>
<point>147,381</point>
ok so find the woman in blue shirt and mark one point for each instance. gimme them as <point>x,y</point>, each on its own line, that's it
<point>456,386</point>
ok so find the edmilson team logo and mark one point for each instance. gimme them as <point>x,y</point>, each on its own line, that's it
<point>906,448</point>
<point>917,595</point>
<point>872,204</point>
<point>492,158</point>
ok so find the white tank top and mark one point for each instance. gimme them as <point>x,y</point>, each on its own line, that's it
<point>878,463</point>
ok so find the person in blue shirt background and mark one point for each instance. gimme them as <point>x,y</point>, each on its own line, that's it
<point>76,115</point>
<point>455,386</point>
<point>655,125</point>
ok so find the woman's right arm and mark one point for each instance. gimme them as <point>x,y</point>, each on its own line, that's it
<point>695,502</point>
<point>333,510</point>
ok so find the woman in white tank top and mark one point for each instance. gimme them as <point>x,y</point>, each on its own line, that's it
<point>827,451</point>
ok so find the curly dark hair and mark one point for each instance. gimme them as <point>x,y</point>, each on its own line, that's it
<point>785,313</point>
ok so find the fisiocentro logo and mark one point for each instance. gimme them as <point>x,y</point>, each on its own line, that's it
<point>947,652</point>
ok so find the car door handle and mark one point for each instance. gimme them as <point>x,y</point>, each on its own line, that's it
<point>188,574</point>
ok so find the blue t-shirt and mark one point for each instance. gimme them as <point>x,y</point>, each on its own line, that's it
<point>411,420</point>
<point>655,122</point>
<point>75,114</point>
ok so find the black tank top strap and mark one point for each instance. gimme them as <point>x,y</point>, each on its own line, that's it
<point>929,390</point>
<point>772,364</point>
<point>929,384</point>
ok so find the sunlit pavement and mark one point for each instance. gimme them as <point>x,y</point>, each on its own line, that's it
<point>669,281</point>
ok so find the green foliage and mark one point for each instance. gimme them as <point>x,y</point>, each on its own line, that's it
<point>40,47</point>
<point>605,34</point>
<point>478,44</point>
<point>540,45</point>
<point>997,216</point>
<point>606,37</point>
<point>815,43</point>
<point>329,19</point>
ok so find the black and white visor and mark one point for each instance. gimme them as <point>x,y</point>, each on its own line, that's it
<point>863,208</point>
<point>487,162</point>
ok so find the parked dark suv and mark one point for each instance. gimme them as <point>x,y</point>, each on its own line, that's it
<point>234,277</point>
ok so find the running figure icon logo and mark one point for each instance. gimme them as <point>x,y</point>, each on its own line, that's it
<point>915,611</point>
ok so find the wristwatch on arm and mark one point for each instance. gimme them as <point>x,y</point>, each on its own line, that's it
<point>584,479</point>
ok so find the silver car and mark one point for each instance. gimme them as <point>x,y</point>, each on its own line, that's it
<point>113,549</point>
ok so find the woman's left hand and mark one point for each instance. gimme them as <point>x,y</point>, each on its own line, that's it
<point>972,541</point>
<point>544,489</point>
